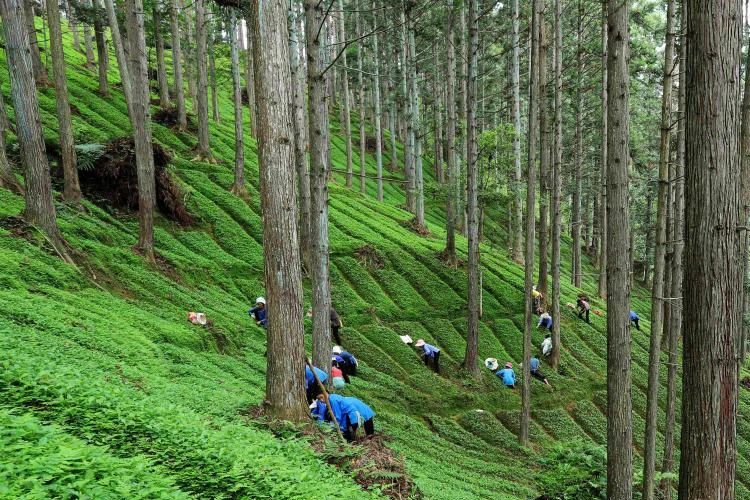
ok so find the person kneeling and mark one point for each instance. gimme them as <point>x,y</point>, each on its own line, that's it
<point>534,368</point>
<point>351,414</point>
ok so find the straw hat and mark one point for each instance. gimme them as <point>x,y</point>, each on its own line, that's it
<point>419,343</point>
<point>337,349</point>
<point>508,365</point>
<point>260,300</point>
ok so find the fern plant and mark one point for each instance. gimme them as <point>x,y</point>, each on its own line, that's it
<point>87,154</point>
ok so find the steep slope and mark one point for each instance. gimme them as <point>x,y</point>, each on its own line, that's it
<point>111,369</point>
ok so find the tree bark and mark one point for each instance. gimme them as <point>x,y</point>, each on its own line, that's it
<point>239,150</point>
<point>201,35</point>
<point>516,236</point>
<point>392,96</point>
<point>675,323</point>
<point>141,122</point>
<point>215,113</point>
<point>73,25</point>
<point>179,91</point>
<point>102,53</point>
<point>472,166</point>
<point>619,406</point>
<point>378,114</point>
<point>39,71</point>
<point>346,110</point>
<point>318,126</point>
<point>39,207</point>
<point>545,158</point>
<point>745,138</point>
<point>300,133</point>
<point>416,140</point>
<point>360,81</point>
<point>602,288</point>
<point>285,397</point>
<point>87,42</point>
<point>161,66</point>
<point>122,60</point>
<point>713,250</point>
<point>537,11</point>
<point>190,53</point>
<point>249,82</point>
<point>71,187</point>
<point>658,289</point>
<point>557,188</point>
<point>578,166</point>
<point>450,139</point>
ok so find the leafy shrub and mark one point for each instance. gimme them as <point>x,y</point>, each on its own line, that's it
<point>574,471</point>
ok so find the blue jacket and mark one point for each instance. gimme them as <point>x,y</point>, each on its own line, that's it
<point>430,350</point>
<point>546,323</point>
<point>508,376</point>
<point>338,359</point>
<point>348,411</point>
<point>349,359</point>
<point>633,316</point>
<point>309,379</point>
<point>534,364</point>
<point>259,315</point>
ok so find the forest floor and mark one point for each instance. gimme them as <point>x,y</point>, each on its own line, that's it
<point>106,389</point>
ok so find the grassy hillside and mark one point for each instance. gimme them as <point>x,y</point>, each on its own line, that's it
<point>106,389</point>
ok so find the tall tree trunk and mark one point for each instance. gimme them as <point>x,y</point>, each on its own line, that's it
<point>201,26</point>
<point>392,96</point>
<point>39,71</point>
<point>73,25</point>
<point>545,158</point>
<point>300,133</point>
<point>179,91</point>
<point>537,16</point>
<point>239,150</point>
<point>619,406</point>
<point>190,52</point>
<point>141,122</point>
<point>450,139</point>
<point>122,61</point>
<point>215,113</point>
<point>649,237</point>
<point>516,243</point>
<point>675,323</point>
<point>462,212</point>
<point>318,123</point>
<point>39,208</point>
<point>102,53</point>
<point>87,41</point>
<point>416,140</point>
<point>409,163</point>
<point>472,166</point>
<point>713,250</point>
<point>658,289</point>
<point>557,188</point>
<point>249,82</point>
<point>378,114</point>
<point>602,288</point>
<point>745,138</point>
<point>285,395</point>
<point>360,78</point>
<point>346,109</point>
<point>71,187</point>
<point>578,168</point>
<point>161,66</point>
<point>437,113</point>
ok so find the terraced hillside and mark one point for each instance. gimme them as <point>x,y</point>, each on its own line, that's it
<point>105,389</point>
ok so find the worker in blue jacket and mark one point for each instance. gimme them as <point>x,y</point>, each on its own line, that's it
<point>507,375</point>
<point>635,320</point>
<point>430,354</point>
<point>349,362</point>
<point>351,414</point>
<point>259,313</point>
<point>312,389</point>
